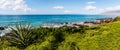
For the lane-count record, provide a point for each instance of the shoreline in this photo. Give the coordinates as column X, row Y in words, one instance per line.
column 97, row 22
column 79, row 23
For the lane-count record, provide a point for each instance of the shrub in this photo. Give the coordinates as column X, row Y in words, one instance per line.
column 117, row 18
column 22, row 37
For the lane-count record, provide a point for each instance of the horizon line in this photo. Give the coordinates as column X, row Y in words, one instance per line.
column 50, row 14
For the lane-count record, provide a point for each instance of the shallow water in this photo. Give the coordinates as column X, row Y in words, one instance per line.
column 37, row 20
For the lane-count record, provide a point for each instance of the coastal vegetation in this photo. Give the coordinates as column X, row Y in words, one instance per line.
column 103, row 37
column 117, row 18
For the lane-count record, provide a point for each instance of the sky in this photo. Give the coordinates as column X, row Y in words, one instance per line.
column 59, row 6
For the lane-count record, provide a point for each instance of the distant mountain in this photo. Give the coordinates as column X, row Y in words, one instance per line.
column 117, row 12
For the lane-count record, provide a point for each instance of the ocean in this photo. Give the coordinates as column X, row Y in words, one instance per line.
column 38, row 20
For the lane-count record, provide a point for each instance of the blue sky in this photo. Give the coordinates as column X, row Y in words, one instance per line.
column 59, row 6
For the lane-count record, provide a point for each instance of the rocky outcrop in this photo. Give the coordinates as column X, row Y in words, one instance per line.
column 3, row 28
column 105, row 20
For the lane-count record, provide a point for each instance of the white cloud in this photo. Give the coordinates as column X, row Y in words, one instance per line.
column 16, row 5
column 58, row 7
column 110, row 9
column 90, row 7
column 91, row 2
column 67, row 11
column 115, row 10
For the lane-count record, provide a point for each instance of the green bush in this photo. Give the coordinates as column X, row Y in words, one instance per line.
column 103, row 37
column 9, row 48
column 117, row 18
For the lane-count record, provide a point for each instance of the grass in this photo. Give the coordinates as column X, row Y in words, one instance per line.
column 103, row 37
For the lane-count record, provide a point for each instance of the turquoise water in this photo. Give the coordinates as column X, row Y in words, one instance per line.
column 37, row 20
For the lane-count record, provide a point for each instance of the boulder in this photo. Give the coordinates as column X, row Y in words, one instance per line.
column 2, row 28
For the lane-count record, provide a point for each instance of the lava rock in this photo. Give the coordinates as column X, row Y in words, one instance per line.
column 2, row 28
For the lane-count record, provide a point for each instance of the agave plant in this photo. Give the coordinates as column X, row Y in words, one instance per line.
column 22, row 36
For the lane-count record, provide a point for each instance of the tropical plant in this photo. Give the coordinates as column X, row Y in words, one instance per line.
column 103, row 37
column 22, row 36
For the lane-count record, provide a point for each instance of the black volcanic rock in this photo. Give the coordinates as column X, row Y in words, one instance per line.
column 2, row 28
